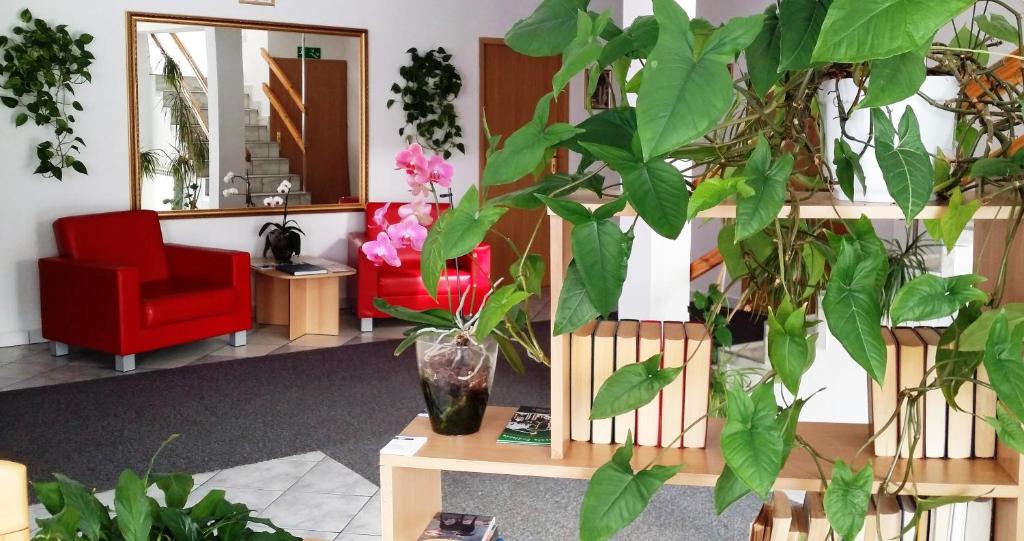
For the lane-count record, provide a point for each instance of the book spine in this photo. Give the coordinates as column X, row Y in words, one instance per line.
column 698, row 384
column 936, row 410
column 961, row 423
column 648, row 417
column 984, row 406
column 625, row 354
column 672, row 394
column 581, row 385
column 604, row 365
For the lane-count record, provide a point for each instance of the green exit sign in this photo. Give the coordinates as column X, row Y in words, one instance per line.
column 309, row 52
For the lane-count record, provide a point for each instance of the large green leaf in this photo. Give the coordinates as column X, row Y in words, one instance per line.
column 862, row 30
column 712, row 191
column 634, row 42
column 547, row 31
column 657, row 191
column 682, row 96
column 48, row 493
column 898, row 77
column 930, row 297
column 764, row 52
column 906, row 166
column 574, row 306
column 524, row 150
column 433, row 317
column 852, row 308
column 1003, row 363
column 998, row 27
column 799, row 24
column 616, row 495
column 768, row 180
column 207, row 506
column 181, row 525
column 847, row 498
column 582, row 51
column 728, row 490
column 93, row 515
column 175, row 486
column 567, row 209
column 525, row 198
column 498, row 304
column 975, row 337
column 848, row 167
column 789, row 349
column 132, row 506
column 950, row 225
column 1008, row 428
column 953, row 365
column 632, row 386
column 611, row 127
column 732, row 251
column 727, row 41
column 752, row 441
column 599, row 249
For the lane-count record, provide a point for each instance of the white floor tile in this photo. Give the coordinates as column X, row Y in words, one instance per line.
column 332, row 477
column 367, row 521
column 255, row 499
column 270, row 475
column 320, row 512
column 356, row 537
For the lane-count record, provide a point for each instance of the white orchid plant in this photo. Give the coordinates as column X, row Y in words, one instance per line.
column 286, row 227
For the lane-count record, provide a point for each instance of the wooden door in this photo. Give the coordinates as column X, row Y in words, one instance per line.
column 326, row 172
column 510, row 86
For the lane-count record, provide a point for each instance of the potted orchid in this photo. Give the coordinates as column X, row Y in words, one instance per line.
column 283, row 240
column 456, row 343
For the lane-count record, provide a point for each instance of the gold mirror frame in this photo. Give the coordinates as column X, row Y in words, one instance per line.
column 133, row 17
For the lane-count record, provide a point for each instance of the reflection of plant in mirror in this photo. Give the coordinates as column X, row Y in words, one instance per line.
column 430, row 85
column 189, row 156
column 40, row 68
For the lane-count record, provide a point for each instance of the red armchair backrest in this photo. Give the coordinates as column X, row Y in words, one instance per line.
column 129, row 238
column 392, row 215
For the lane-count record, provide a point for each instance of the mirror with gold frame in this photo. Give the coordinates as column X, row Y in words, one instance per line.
column 234, row 117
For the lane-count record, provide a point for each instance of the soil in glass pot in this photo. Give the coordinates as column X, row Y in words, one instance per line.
column 456, row 376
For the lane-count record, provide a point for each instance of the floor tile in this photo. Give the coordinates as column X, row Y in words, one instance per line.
column 255, row 499
column 312, row 456
column 367, row 520
column 343, row 536
column 320, row 512
column 27, row 370
column 332, row 477
column 249, row 350
column 6, row 382
column 289, row 348
column 14, row 353
column 270, row 335
column 313, row 534
column 270, row 475
column 326, row 340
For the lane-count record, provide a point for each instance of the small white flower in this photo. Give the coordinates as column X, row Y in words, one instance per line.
column 229, row 178
column 278, row 201
column 284, row 187
column 268, row 201
column 230, row 191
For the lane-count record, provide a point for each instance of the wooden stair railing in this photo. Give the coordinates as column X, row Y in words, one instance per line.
column 293, row 130
column 285, row 82
column 192, row 103
column 203, row 82
column 705, row 264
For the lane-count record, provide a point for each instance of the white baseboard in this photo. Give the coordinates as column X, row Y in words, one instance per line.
column 20, row 338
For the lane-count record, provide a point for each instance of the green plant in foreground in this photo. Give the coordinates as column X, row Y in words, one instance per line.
column 77, row 514
column 41, row 66
column 698, row 136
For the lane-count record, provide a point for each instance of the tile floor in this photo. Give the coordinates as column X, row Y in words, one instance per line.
column 33, row 366
column 311, row 495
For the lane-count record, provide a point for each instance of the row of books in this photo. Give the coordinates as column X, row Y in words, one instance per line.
column 461, row 527
column 600, row 348
column 892, row 518
column 945, row 432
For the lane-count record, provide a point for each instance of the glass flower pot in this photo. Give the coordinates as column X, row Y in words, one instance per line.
column 456, row 375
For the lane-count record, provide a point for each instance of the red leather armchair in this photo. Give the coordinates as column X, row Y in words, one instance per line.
column 403, row 286
column 116, row 287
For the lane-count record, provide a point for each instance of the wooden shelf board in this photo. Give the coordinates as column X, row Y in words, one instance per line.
column 480, row 453
column 821, row 205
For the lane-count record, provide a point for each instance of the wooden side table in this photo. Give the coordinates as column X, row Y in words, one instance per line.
column 306, row 304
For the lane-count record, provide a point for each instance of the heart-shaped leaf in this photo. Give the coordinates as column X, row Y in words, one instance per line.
column 1003, row 362
column 498, row 304
column 950, row 225
column 175, row 486
column 712, row 191
column 616, row 495
column 852, row 307
column 574, row 306
column 799, row 24
column 975, row 337
column 768, row 180
column 789, row 350
column 599, row 249
column 930, row 296
column 848, row 167
column 847, row 498
column 547, row 31
column 899, row 77
column 752, row 440
column 764, row 52
column 632, row 386
column 906, row 167
column 657, row 191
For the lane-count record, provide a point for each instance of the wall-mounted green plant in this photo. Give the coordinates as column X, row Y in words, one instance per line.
column 430, row 84
column 40, row 68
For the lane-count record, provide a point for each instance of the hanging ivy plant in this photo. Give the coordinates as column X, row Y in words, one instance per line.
column 41, row 66
column 430, row 84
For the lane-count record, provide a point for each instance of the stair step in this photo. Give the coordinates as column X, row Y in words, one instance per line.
column 191, row 82
column 263, row 149
column 256, row 133
column 268, row 166
column 252, row 116
column 269, row 183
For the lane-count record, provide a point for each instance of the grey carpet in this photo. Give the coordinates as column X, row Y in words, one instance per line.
column 346, row 401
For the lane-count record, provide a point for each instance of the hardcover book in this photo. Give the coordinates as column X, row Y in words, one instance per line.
column 581, row 381
column 884, row 399
column 625, row 354
column 459, row 527
column 529, row 425
column 301, row 269
column 604, row 366
column 911, row 372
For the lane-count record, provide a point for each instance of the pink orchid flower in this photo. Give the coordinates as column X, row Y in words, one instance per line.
column 411, row 159
column 379, row 217
column 408, row 232
column 419, row 208
column 382, row 250
column 437, row 171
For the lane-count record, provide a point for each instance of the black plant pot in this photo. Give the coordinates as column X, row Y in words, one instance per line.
column 281, row 245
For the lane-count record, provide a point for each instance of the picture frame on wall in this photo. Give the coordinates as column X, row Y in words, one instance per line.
column 603, row 96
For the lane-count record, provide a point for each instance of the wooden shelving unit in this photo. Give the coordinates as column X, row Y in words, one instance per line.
column 411, row 486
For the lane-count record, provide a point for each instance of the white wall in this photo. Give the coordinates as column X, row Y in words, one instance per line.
column 34, row 202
